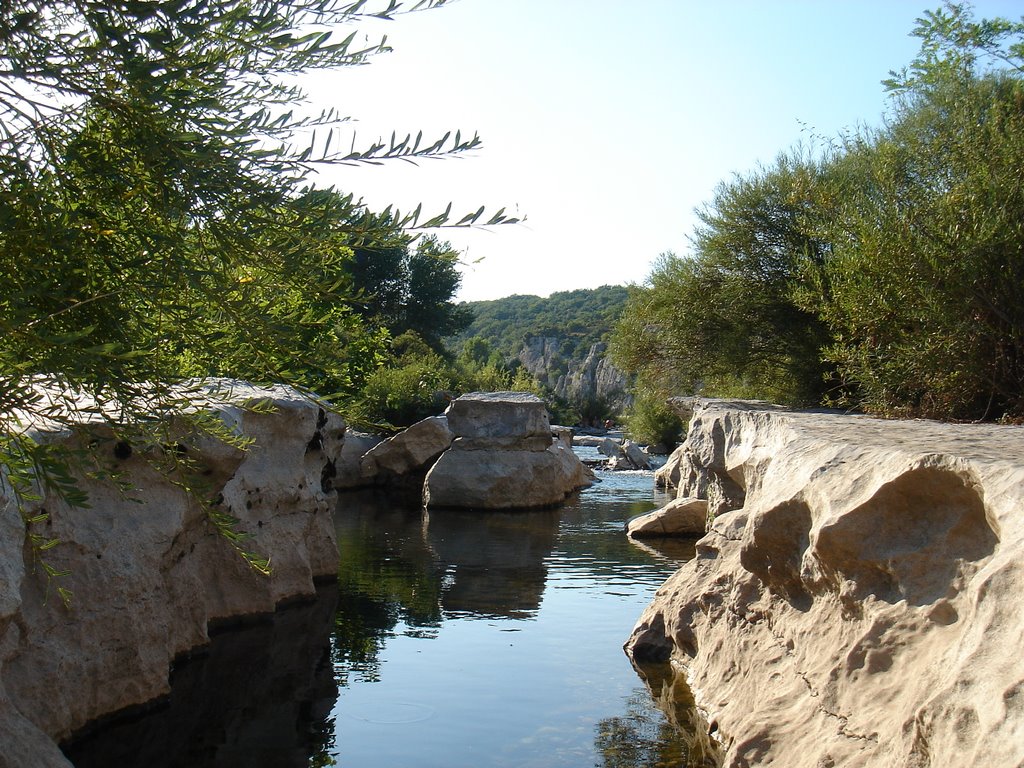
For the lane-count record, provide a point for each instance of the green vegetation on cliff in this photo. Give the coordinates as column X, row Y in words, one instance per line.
column 578, row 318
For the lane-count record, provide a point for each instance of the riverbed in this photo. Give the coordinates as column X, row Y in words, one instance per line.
column 451, row 639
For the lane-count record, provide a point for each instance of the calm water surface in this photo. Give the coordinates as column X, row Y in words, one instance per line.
column 452, row 639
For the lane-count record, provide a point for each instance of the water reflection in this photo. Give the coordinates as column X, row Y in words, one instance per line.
column 680, row 738
column 494, row 565
column 493, row 639
column 452, row 639
column 258, row 696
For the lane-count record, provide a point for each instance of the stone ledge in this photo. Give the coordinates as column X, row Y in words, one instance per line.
column 149, row 577
column 858, row 606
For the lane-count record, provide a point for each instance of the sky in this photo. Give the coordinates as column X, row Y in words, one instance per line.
column 606, row 124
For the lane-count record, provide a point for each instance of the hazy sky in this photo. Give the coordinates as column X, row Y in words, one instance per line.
column 606, row 123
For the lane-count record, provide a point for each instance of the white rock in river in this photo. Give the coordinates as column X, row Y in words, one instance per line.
column 502, row 457
column 680, row 517
column 149, row 572
column 861, row 606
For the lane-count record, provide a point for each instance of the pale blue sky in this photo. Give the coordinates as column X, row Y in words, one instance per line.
column 606, row 123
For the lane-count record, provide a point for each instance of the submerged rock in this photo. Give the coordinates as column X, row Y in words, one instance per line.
column 856, row 601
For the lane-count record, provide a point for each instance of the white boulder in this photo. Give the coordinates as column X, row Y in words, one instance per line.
column 680, row 517
column 860, row 604
column 147, row 570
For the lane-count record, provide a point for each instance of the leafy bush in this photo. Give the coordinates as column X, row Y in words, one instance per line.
column 650, row 421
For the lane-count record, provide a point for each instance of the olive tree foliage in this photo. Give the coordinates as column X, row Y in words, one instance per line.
column 156, row 215
column 924, row 285
column 724, row 320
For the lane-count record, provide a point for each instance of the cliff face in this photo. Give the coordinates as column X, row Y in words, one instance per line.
column 148, row 572
column 857, row 599
column 592, row 378
column 595, row 378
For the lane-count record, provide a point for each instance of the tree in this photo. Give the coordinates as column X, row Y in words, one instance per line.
column 433, row 280
column 725, row 320
column 924, row 288
column 156, row 218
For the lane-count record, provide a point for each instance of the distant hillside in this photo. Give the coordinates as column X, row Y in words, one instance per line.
column 578, row 318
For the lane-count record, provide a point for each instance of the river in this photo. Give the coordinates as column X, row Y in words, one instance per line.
column 450, row 639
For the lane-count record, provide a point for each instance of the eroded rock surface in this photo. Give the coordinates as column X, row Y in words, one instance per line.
column 856, row 602
column 148, row 572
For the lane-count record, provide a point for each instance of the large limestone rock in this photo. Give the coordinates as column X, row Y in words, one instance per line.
column 499, row 421
column 147, row 570
column 502, row 457
column 860, row 604
column 463, row 479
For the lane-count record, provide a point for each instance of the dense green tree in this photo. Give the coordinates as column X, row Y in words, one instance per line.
column 724, row 320
column 380, row 275
column 156, row 215
column 886, row 273
column 410, row 285
column 434, row 279
column 924, row 287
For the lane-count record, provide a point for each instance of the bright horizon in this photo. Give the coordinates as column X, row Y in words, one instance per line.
column 606, row 128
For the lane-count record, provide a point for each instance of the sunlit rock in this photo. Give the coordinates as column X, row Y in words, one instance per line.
column 680, row 517
column 860, row 603
column 499, row 421
column 147, row 570
column 502, row 457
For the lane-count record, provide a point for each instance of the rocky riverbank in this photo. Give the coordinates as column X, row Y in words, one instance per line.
column 856, row 601
column 147, row 571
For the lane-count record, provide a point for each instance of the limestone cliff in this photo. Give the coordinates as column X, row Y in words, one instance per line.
column 148, row 572
column 595, row 378
column 857, row 600
column 575, row 380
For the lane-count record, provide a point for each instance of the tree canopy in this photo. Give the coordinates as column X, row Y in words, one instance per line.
column 883, row 272
column 158, row 216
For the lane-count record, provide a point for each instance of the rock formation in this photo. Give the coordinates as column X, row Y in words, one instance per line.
column 147, row 570
column 594, row 378
column 857, row 599
column 502, row 457
column 680, row 517
column 623, row 455
column 405, row 458
column 542, row 357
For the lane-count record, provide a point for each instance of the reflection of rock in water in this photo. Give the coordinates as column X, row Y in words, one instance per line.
column 675, row 699
column 494, row 561
column 258, row 696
